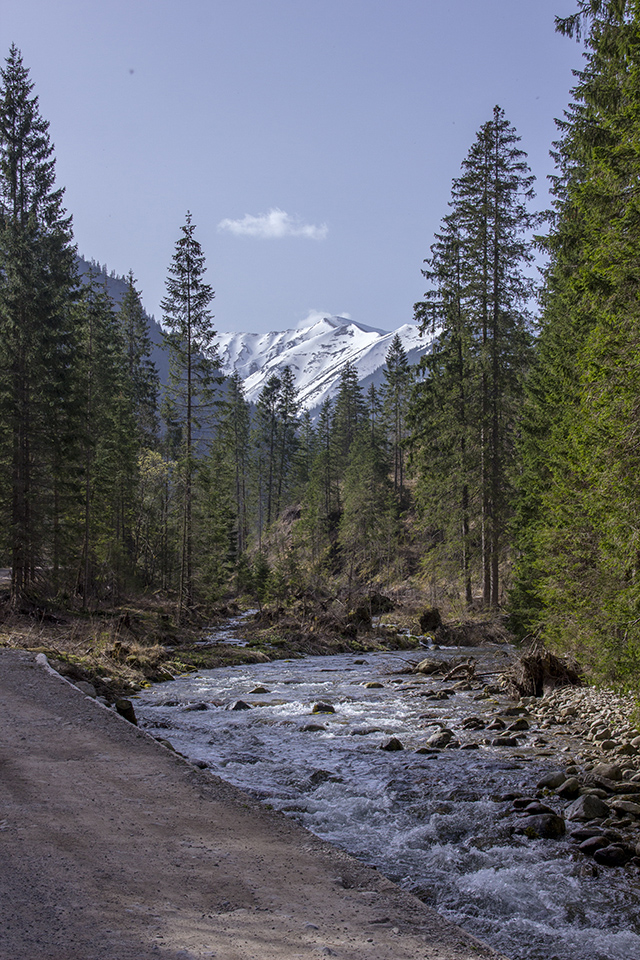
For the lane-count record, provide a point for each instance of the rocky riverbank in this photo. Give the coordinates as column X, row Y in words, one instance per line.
column 595, row 796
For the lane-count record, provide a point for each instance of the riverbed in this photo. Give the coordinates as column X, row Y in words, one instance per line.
column 439, row 822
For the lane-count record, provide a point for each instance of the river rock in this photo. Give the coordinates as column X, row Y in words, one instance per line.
column 520, row 724
column 625, row 806
column 504, row 742
column 193, row 707
column 535, row 807
column 373, row 685
column 87, row 688
column 552, row 780
column 613, row 856
column 591, row 844
column 569, row 789
column 240, row 705
column 473, row 723
column 125, row 709
column 580, row 834
column 312, row 727
column 257, row 690
column 496, row 724
column 430, row 665
column 392, row 744
column 440, row 739
column 545, row 826
column 587, row 807
column 323, row 708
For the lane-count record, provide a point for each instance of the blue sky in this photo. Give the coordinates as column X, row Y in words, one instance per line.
column 314, row 141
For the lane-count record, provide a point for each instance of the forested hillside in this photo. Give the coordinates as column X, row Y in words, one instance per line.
column 499, row 474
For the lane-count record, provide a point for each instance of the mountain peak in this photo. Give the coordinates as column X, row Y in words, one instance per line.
column 316, row 354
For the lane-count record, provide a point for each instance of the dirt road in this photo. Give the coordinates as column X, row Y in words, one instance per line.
column 113, row 847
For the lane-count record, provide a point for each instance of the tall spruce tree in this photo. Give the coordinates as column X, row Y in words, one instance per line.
column 110, row 447
column 349, row 416
column 479, row 299
column 578, row 576
column 38, row 334
column 444, row 415
column 395, row 399
column 235, row 430
column 193, row 361
column 266, row 451
column 288, row 419
column 142, row 374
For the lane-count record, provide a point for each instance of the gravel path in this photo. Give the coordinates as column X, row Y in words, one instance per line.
column 113, row 847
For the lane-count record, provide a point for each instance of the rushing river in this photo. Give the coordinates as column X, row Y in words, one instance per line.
column 437, row 823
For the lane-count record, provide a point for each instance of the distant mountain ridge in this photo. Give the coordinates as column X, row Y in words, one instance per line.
column 316, row 353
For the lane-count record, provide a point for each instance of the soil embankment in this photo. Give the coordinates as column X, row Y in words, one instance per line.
column 113, row 847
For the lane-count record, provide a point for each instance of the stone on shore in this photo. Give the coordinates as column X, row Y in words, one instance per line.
column 587, row 807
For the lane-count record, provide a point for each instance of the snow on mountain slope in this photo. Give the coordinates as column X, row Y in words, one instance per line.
column 315, row 354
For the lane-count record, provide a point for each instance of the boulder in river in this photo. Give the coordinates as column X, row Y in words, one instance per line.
column 625, row 807
column 440, row 739
column 587, row 807
column 609, row 771
column 473, row 723
column 552, row 780
column 392, row 744
column 321, row 707
column 430, row 665
column 614, row 855
column 591, row 844
column 543, row 826
column 570, row 789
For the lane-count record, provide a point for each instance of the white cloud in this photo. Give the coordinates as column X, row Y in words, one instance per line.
column 273, row 225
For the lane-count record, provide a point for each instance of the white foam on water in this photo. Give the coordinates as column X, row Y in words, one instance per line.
column 435, row 824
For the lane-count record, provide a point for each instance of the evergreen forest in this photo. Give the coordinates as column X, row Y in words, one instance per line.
column 500, row 476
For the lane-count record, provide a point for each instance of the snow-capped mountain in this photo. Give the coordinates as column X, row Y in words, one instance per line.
column 316, row 354
column 316, row 351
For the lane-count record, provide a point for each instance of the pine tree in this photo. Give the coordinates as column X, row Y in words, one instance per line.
column 37, row 327
column 365, row 525
column 396, row 392
column 234, row 429
column 478, row 302
column 193, row 361
column 577, row 579
column 287, row 413
column 142, row 374
column 349, row 415
column 266, row 446
column 445, row 412
column 319, row 508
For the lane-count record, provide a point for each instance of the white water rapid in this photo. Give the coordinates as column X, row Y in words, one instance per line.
column 437, row 823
